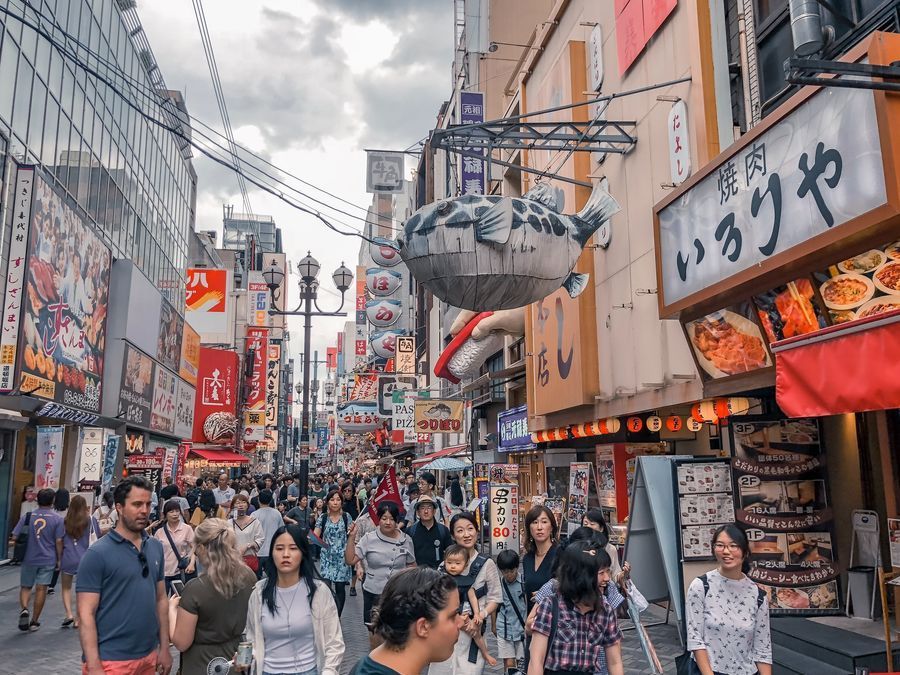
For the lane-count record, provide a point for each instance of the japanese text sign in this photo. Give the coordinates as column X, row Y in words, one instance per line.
column 471, row 111
column 207, row 300
column 679, row 145
column 185, row 396
column 217, row 383
column 384, row 172
column 136, row 390
column 15, row 277
column 49, row 456
column 504, row 512
column 512, row 429
column 258, row 341
column 162, row 412
column 406, row 355
column 816, row 169
column 440, row 416
column 273, row 373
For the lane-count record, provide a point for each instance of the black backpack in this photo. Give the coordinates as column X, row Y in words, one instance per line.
column 344, row 518
column 21, row 544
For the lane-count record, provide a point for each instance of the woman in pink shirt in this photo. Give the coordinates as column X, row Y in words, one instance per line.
column 177, row 539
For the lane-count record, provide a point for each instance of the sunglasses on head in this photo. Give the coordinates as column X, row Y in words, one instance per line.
column 145, row 568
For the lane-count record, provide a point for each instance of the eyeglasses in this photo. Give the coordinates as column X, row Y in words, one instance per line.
column 145, row 568
column 719, row 546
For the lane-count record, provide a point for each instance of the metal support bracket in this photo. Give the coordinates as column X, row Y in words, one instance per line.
column 853, row 75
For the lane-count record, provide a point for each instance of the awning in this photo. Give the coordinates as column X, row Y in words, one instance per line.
column 221, row 456
column 444, row 452
column 846, row 368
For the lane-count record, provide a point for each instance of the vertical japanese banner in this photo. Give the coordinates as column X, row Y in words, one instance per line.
column 360, row 333
column 255, row 422
column 49, row 456
column 15, row 277
column 471, row 111
column 504, row 517
column 170, row 457
column 90, row 458
column 579, row 486
column 273, row 378
column 110, row 455
column 482, row 491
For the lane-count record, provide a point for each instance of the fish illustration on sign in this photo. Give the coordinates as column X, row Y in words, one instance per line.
column 486, row 253
column 440, row 411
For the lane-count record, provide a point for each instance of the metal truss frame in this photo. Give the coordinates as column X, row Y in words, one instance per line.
column 856, row 75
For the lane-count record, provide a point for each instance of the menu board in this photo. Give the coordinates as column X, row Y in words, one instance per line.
column 704, row 502
column 864, row 285
column 782, row 497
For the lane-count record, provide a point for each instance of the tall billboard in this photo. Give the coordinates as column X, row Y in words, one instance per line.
column 216, row 392
column 208, row 302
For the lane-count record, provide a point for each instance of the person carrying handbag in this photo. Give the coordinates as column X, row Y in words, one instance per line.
column 248, row 532
column 727, row 615
column 177, row 539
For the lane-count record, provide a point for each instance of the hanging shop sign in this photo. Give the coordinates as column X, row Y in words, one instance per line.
column 503, row 473
column 679, row 143
column 162, row 412
column 215, row 400
column 381, row 282
column 471, row 111
column 405, row 358
column 512, row 430
column 504, row 512
column 207, row 301
column 595, row 58
column 365, row 388
column 579, row 487
column 168, row 344
column 135, row 442
column 387, row 385
column 794, row 184
column 384, row 172
column 49, row 455
column 90, row 456
column 273, row 377
column 257, row 300
column 403, row 412
column 358, row 417
column 65, row 413
column 190, row 355
column 110, row 457
column 185, row 398
column 15, row 276
column 136, row 388
column 440, row 416
column 384, row 342
column 255, row 422
column 383, row 312
column 384, row 252
column 783, row 499
column 65, row 306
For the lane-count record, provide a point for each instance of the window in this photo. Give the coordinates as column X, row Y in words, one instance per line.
column 22, row 105
column 9, row 61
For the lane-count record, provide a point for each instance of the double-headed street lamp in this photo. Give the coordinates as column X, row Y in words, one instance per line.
column 309, row 269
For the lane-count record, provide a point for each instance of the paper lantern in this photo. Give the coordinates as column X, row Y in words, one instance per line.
column 610, row 425
column 382, row 282
column 654, row 423
column 733, row 405
column 383, row 312
column 384, row 252
column 694, row 425
column 674, row 423
column 634, row 424
column 485, row 253
column 708, row 411
column 695, row 413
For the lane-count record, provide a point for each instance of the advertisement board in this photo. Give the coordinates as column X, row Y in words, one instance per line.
column 49, row 455
column 504, row 513
column 64, row 318
column 136, row 388
column 403, row 412
column 512, row 430
column 162, row 412
column 387, row 385
column 168, row 343
column 15, row 277
column 257, row 300
column 273, row 377
column 579, row 487
column 90, row 456
column 216, row 390
column 405, row 355
column 471, row 111
column 440, row 416
column 184, row 409
column 384, row 172
column 207, row 301
column 190, row 355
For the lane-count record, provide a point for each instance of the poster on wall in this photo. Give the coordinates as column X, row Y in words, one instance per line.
column 579, row 486
column 504, row 511
column 162, row 412
column 190, row 355
column 64, row 317
column 894, row 539
column 782, row 497
column 168, row 341
column 606, row 476
column 49, row 456
column 90, row 458
column 136, row 387
column 184, row 409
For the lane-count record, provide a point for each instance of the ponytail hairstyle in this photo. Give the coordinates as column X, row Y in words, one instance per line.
column 224, row 568
column 736, row 534
column 412, row 594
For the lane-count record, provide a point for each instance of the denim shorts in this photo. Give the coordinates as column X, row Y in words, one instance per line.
column 33, row 575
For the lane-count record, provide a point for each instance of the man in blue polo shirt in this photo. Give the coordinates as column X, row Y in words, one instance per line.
column 122, row 604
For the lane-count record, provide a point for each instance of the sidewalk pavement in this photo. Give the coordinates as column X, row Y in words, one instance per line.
column 55, row 651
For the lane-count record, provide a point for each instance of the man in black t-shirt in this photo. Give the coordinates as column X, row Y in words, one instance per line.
column 430, row 538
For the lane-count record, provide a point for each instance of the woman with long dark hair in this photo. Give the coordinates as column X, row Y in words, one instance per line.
column 585, row 624
column 207, row 621
column 727, row 613
column 541, row 531
column 333, row 527
column 292, row 619
column 455, row 496
column 78, row 525
column 417, row 621
column 594, row 519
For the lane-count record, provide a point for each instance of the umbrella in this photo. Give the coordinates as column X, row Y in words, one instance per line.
column 446, row 464
column 643, row 637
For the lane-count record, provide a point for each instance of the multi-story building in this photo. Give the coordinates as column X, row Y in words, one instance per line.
column 261, row 229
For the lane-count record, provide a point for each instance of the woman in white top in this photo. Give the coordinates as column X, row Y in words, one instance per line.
column 463, row 527
column 248, row 532
column 728, row 615
column 292, row 619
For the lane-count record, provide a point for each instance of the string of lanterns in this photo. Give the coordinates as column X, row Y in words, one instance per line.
column 706, row 411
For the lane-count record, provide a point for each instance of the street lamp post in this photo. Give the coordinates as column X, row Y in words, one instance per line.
column 308, row 269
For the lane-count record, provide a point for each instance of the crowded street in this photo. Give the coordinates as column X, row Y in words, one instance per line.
column 450, row 337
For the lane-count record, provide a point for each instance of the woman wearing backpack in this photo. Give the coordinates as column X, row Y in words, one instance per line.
column 728, row 614
column 105, row 514
column 333, row 527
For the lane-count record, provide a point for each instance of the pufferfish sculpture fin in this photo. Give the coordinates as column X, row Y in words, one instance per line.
column 495, row 224
column 575, row 283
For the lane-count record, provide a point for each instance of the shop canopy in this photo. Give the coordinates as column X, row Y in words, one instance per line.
column 846, row 368
column 445, row 452
column 221, row 456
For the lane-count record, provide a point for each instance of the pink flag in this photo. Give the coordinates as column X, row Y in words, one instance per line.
column 388, row 491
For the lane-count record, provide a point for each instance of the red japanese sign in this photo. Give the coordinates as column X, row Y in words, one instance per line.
column 216, row 387
column 258, row 341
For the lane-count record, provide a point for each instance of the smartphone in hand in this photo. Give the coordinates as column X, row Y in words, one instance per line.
column 177, row 587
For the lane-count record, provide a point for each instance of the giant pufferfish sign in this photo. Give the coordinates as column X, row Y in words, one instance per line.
column 487, row 253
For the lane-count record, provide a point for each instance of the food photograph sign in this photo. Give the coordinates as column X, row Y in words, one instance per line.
column 64, row 317
column 781, row 496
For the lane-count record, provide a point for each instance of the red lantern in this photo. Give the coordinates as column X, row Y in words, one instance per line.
column 674, row 423
column 695, row 413
column 635, row 424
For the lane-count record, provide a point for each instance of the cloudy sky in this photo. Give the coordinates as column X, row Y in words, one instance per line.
column 308, row 84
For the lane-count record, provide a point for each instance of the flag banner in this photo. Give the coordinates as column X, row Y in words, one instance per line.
column 388, row 491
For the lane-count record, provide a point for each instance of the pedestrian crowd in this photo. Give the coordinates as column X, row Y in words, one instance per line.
column 254, row 575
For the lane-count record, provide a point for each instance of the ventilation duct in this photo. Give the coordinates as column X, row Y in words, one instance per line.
column 806, row 27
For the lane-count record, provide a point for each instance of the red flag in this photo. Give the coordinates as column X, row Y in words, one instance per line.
column 388, row 491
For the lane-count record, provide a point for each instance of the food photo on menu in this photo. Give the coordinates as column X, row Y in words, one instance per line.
column 823, row 596
column 862, row 286
column 728, row 342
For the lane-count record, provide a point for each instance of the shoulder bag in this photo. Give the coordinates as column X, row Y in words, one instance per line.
column 21, row 545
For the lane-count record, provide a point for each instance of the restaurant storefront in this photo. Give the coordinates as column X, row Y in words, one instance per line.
column 781, row 261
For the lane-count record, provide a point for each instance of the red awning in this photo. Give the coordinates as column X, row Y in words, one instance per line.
column 445, row 452
column 223, row 456
column 847, row 368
